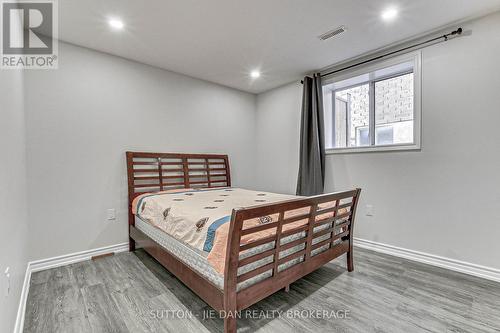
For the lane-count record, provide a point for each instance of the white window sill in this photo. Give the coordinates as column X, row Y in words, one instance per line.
column 372, row 149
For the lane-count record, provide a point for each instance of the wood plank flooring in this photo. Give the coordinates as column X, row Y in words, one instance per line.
column 131, row 292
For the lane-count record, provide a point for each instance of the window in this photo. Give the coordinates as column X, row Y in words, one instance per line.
column 374, row 108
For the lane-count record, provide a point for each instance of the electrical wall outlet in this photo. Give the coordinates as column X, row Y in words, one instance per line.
column 111, row 214
column 370, row 211
column 7, row 282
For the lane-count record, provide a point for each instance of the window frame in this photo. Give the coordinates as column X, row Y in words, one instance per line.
column 416, row 58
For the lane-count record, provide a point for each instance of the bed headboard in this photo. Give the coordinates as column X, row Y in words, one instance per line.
column 154, row 172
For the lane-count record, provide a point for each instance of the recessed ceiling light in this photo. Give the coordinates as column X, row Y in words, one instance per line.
column 116, row 24
column 389, row 14
column 255, row 74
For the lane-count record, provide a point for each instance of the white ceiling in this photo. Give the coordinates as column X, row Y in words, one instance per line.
column 223, row 40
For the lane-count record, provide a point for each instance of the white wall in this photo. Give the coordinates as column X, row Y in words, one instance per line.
column 441, row 200
column 13, row 234
column 82, row 118
column 277, row 138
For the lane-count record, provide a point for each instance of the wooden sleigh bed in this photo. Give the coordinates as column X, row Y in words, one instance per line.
column 154, row 172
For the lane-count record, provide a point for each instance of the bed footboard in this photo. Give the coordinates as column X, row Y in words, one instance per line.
column 295, row 238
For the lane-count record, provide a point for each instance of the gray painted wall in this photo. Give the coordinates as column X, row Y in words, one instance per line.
column 14, row 231
column 82, row 118
column 441, row 200
column 277, row 138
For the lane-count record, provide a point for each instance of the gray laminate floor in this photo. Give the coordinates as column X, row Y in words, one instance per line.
column 133, row 293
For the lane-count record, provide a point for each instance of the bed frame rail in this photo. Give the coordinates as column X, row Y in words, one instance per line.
column 323, row 229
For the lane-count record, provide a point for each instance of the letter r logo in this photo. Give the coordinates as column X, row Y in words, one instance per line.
column 27, row 27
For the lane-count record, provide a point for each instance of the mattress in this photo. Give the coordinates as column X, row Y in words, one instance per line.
column 200, row 219
column 197, row 260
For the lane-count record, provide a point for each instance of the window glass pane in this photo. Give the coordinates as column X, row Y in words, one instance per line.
column 363, row 136
column 394, row 110
column 341, row 123
column 352, row 116
column 384, row 135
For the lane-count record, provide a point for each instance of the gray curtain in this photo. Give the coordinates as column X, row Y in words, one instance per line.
column 311, row 178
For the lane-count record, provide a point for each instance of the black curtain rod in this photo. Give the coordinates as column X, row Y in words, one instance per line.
column 444, row 37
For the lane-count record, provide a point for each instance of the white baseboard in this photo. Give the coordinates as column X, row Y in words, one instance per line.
column 40, row 265
column 19, row 325
column 484, row 272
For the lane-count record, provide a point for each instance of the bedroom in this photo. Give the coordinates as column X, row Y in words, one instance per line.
column 224, row 78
